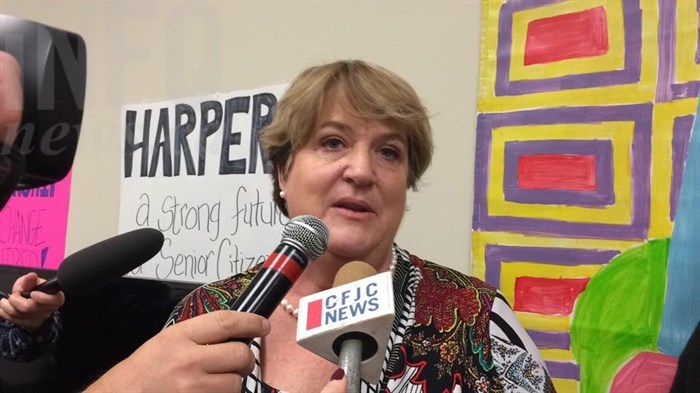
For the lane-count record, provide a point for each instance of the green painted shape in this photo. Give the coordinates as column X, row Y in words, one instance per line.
column 619, row 313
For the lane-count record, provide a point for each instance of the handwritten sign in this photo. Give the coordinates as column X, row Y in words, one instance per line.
column 33, row 226
column 193, row 169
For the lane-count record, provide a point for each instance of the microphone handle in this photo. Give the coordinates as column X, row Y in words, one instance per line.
column 50, row 286
column 349, row 360
column 263, row 293
column 269, row 286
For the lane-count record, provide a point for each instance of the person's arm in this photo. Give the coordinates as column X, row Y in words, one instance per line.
column 510, row 343
column 28, row 327
column 194, row 355
column 18, row 345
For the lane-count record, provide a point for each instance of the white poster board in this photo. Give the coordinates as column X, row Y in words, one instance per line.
column 192, row 168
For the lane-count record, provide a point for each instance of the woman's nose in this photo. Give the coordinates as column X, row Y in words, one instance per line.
column 359, row 167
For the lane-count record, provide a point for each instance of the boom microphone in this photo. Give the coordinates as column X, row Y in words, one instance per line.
column 304, row 238
column 356, row 317
column 96, row 265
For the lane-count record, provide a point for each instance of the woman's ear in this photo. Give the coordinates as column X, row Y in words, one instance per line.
column 281, row 177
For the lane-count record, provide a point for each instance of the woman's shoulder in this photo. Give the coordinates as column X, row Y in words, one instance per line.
column 233, row 284
column 448, row 276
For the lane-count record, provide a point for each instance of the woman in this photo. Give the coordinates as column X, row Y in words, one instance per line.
column 348, row 140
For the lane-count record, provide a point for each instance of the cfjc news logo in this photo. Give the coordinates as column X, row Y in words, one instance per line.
column 347, row 304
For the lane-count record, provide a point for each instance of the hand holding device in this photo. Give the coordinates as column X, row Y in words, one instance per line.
column 29, row 313
column 193, row 355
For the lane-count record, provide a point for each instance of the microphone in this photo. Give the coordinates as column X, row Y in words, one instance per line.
column 304, row 238
column 92, row 267
column 355, row 316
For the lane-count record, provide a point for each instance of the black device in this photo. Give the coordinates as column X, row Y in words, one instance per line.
column 304, row 238
column 53, row 64
column 96, row 265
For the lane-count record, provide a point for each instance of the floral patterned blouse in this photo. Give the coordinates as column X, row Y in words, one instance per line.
column 452, row 333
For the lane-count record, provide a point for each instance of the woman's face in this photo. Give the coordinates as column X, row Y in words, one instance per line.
column 352, row 174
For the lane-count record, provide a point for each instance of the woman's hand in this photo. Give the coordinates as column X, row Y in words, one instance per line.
column 193, row 355
column 338, row 383
column 29, row 313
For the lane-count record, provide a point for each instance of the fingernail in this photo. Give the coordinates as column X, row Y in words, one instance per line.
column 266, row 326
column 338, row 374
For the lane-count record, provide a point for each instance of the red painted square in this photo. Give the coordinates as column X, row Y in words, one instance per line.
column 568, row 36
column 313, row 317
column 551, row 296
column 567, row 172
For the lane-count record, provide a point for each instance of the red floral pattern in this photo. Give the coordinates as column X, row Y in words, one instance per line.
column 446, row 348
column 441, row 301
column 452, row 328
column 210, row 297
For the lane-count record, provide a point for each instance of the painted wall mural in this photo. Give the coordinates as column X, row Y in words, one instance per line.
column 586, row 178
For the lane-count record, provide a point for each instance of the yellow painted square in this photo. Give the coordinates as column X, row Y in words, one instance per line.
column 630, row 93
column 620, row 133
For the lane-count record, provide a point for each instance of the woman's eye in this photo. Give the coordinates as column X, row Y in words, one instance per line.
column 389, row 153
column 332, row 143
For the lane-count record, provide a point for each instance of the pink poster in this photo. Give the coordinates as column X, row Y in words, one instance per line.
column 33, row 226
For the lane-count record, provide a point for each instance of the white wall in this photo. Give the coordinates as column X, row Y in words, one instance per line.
column 153, row 51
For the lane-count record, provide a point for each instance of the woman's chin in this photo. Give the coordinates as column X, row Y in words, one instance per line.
column 353, row 247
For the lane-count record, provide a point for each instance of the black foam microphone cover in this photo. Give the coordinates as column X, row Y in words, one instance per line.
column 94, row 266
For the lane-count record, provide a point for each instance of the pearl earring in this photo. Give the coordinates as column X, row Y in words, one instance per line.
column 282, row 195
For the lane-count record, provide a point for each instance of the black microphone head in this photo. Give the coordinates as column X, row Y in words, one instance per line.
column 96, row 265
column 307, row 233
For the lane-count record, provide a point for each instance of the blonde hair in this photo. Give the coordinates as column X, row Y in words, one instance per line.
column 371, row 92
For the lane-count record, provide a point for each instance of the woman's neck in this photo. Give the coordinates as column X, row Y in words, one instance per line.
column 320, row 273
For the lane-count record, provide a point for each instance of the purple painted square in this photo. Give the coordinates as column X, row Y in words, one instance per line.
column 637, row 228
column 630, row 73
column 601, row 149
